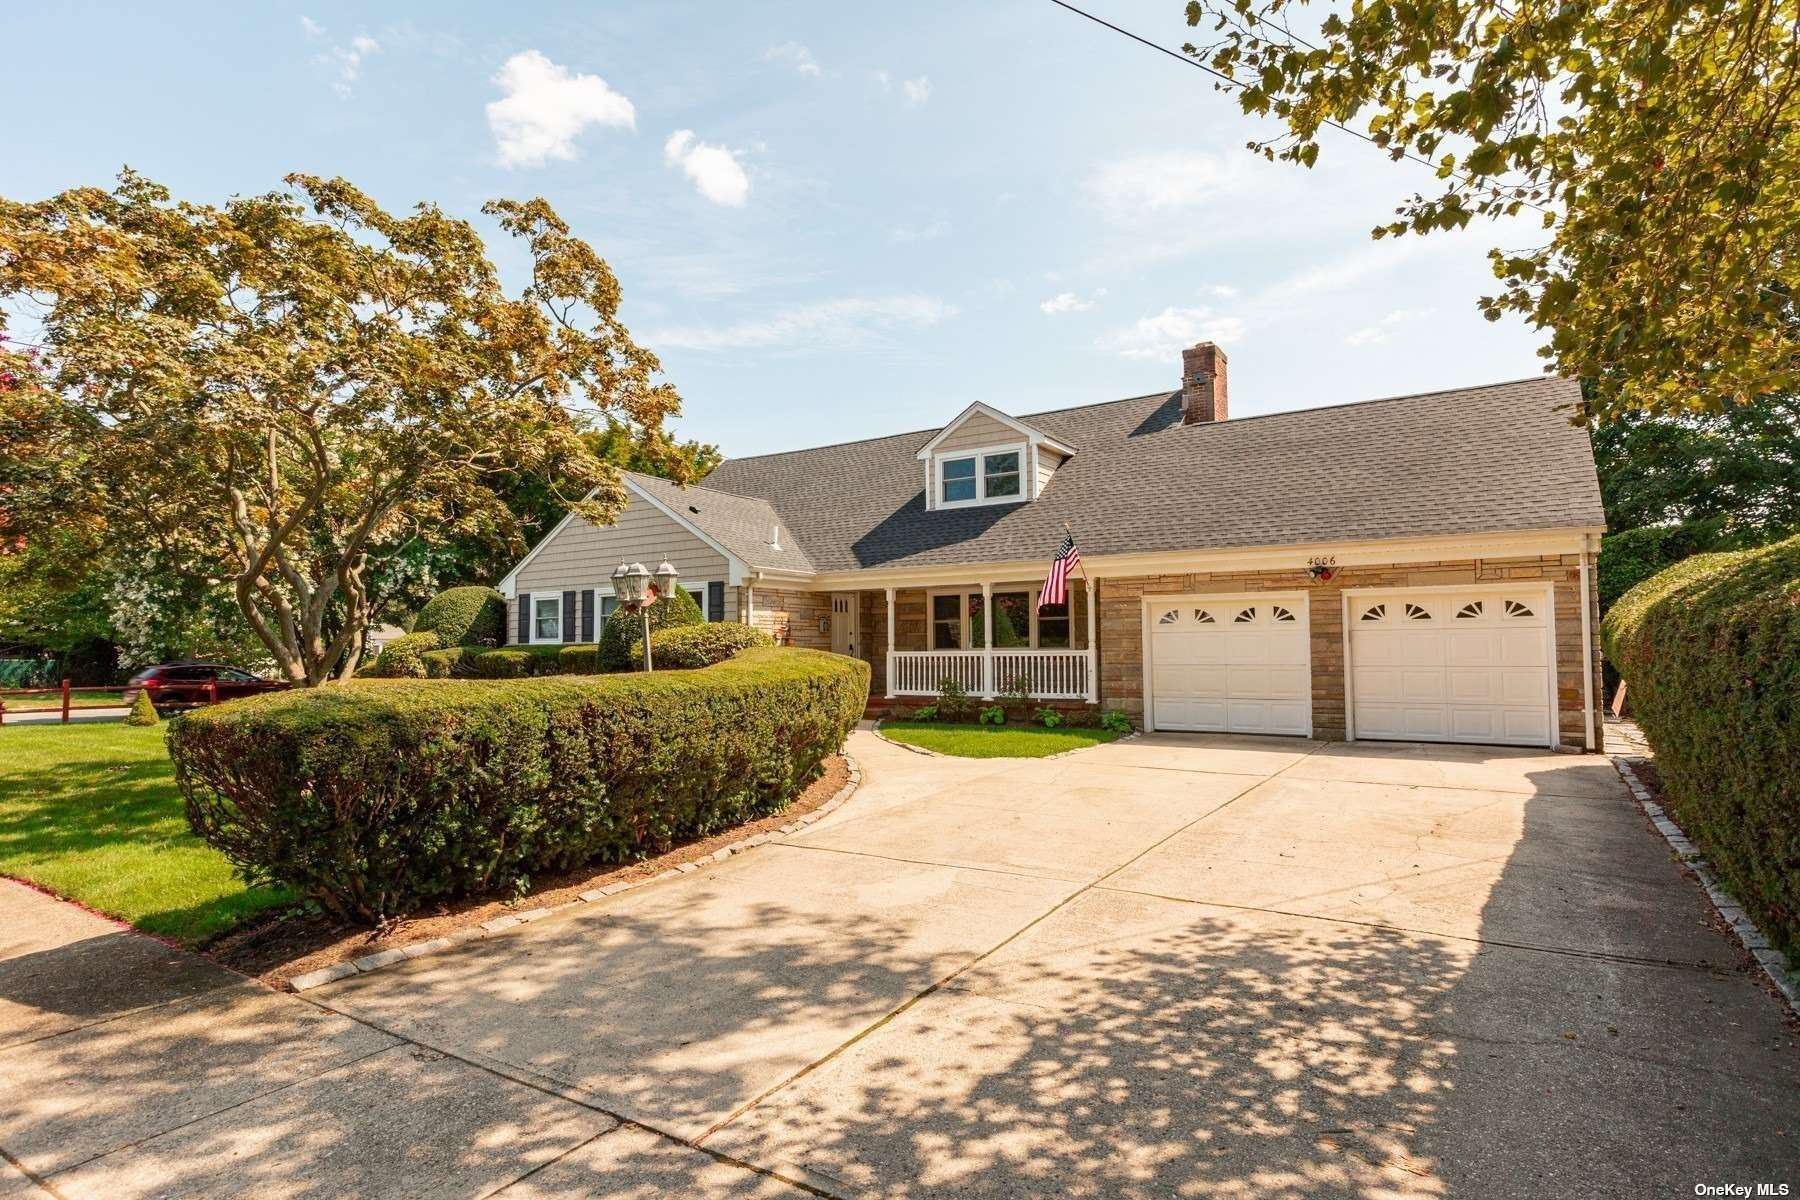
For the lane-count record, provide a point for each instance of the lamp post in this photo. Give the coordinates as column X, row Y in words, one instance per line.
column 634, row 589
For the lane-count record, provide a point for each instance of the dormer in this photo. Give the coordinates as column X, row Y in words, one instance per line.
column 986, row 457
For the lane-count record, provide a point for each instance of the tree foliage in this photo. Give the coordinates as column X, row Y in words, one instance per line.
column 287, row 390
column 1658, row 142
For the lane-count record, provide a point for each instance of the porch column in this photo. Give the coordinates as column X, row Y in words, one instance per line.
column 1093, row 650
column 987, row 627
column 890, row 657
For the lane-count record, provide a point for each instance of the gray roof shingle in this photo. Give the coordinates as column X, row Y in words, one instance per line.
column 741, row 524
column 1490, row 459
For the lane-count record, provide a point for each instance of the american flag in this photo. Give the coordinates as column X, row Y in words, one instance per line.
column 1056, row 583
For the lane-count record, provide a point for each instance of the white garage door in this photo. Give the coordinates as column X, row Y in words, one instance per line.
column 1232, row 666
column 1451, row 667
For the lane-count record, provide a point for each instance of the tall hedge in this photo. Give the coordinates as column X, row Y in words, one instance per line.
column 464, row 616
column 377, row 798
column 1711, row 651
column 625, row 627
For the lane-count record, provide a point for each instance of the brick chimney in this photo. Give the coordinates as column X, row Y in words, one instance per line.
column 1202, row 384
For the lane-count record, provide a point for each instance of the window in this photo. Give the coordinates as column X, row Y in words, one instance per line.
column 946, row 622
column 608, row 606
column 1469, row 611
column 1282, row 614
column 1375, row 612
column 959, row 480
column 1053, row 627
column 1012, row 621
column 699, row 595
column 1245, row 617
column 1515, row 609
column 1000, row 474
column 1168, row 618
column 546, row 613
column 982, row 477
column 232, row 675
column 1203, row 617
column 1417, row 612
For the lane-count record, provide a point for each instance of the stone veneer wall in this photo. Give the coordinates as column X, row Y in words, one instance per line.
column 792, row 618
column 1121, row 627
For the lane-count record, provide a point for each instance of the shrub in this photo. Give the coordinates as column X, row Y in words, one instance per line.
column 1017, row 692
column 953, row 700
column 926, row 712
column 993, row 714
column 378, row 798
column 464, row 616
column 686, row 647
column 624, row 628
column 143, row 712
column 513, row 662
column 403, row 658
column 579, row 659
column 1114, row 721
column 1629, row 557
column 1049, row 718
column 1711, row 651
column 445, row 663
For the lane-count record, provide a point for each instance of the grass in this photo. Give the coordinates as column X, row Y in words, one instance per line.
column 91, row 813
column 994, row 741
column 54, row 700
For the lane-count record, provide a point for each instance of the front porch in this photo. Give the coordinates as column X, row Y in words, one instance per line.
column 917, row 638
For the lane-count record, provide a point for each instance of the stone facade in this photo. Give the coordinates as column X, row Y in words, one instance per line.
column 792, row 618
column 1122, row 647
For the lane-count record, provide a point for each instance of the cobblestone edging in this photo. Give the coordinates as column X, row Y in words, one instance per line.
column 383, row 958
column 1774, row 965
column 875, row 728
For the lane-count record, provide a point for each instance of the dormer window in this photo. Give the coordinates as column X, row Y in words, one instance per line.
column 959, row 480
column 981, row 477
column 987, row 457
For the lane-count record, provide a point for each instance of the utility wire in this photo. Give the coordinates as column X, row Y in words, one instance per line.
column 1229, row 82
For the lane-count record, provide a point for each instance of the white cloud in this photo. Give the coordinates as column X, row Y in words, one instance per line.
column 545, row 108
column 1384, row 330
column 840, row 324
column 919, row 233
column 883, row 78
column 345, row 61
column 1065, row 302
column 715, row 170
column 917, row 91
column 797, row 56
column 1164, row 335
column 1160, row 183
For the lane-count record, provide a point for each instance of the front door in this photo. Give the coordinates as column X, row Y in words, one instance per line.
column 844, row 630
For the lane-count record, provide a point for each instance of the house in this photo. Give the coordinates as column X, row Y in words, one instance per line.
column 1416, row 568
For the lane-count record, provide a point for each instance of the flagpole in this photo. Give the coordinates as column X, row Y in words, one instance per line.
column 1068, row 529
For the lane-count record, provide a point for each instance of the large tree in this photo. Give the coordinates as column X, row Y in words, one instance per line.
column 280, row 390
column 1657, row 142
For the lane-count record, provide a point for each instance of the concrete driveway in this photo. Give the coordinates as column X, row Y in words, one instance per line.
column 1176, row 966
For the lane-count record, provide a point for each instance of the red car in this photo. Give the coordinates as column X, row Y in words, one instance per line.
column 175, row 686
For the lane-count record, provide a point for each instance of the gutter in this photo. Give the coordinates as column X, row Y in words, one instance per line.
column 1587, row 647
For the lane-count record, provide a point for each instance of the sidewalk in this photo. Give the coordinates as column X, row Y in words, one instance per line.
column 135, row 1070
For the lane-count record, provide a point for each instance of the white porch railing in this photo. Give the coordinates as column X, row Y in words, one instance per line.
column 1052, row 674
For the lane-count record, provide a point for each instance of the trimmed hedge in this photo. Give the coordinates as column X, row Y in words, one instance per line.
column 464, row 616
column 403, row 658
column 1711, row 650
column 624, row 628
column 1629, row 557
column 377, row 798
column 688, row 647
column 512, row 662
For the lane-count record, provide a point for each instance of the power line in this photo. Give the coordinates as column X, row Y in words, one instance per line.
column 1228, row 81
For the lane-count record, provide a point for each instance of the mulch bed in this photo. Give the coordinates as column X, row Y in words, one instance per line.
column 279, row 947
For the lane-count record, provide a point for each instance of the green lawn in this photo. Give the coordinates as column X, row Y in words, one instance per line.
column 90, row 812
column 54, row 700
column 993, row 741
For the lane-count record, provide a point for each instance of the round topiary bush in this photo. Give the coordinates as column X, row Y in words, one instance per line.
column 624, row 628
column 512, row 662
column 464, row 616
column 376, row 799
column 403, row 658
column 688, row 647
column 1711, row 651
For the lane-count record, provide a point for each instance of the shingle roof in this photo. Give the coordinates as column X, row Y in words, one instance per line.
column 1474, row 460
column 741, row 524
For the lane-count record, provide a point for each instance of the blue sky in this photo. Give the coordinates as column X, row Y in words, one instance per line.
column 830, row 221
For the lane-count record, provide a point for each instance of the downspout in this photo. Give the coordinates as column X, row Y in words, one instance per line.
column 750, row 598
column 1587, row 649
